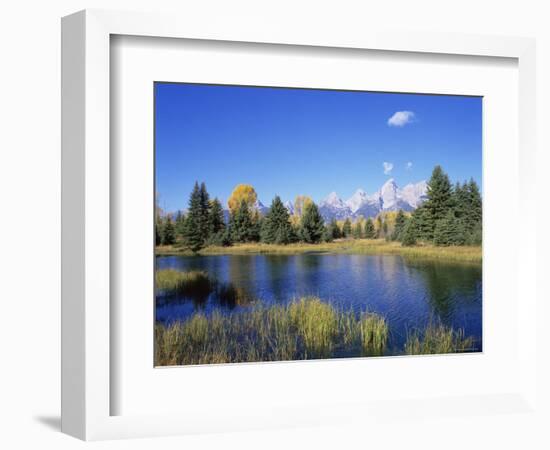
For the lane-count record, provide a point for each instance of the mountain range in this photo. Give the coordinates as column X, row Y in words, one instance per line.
column 388, row 198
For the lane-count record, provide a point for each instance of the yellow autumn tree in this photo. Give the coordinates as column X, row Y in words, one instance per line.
column 300, row 204
column 242, row 192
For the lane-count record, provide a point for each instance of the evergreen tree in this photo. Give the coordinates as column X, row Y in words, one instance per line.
column 276, row 227
column 423, row 223
column 312, row 225
column 370, row 232
column 327, row 234
column 216, row 224
column 158, row 231
column 439, row 200
column 408, row 235
column 255, row 227
column 400, row 221
column 385, row 228
column 346, row 230
column 241, row 224
column 475, row 214
column 475, row 236
column 216, row 221
column 193, row 236
column 179, row 224
column 357, row 231
column 168, row 232
column 461, row 200
column 335, row 229
column 449, row 230
column 204, row 212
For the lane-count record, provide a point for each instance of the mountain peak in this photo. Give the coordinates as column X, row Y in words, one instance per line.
column 332, row 199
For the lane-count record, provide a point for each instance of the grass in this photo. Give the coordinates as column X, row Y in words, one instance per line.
column 307, row 328
column 470, row 254
column 193, row 283
column 437, row 339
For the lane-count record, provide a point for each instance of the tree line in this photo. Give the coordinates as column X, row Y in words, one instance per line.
column 451, row 215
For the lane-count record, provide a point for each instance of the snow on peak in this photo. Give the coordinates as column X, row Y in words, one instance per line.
column 358, row 199
column 333, row 200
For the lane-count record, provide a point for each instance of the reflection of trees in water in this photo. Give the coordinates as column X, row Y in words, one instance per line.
column 307, row 274
column 445, row 283
column 279, row 274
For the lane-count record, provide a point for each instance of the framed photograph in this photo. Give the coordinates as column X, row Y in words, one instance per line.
column 253, row 217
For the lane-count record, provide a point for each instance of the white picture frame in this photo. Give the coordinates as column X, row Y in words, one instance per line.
column 86, row 198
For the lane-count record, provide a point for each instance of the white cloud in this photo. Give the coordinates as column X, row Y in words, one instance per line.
column 401, row 118
column 409, row 165
column 387, row 167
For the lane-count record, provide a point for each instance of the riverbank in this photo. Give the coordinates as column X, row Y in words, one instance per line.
column 469, row 254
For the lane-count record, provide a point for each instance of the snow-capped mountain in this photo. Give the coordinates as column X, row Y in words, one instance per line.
column 388, row 198
column 415, row 194
column 261, row 208
column 333, row 207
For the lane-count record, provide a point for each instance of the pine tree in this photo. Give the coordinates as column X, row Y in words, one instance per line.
column 204, row 212
column 422, row 221
column 335, row 229
column 312, row 225
column 357, row 231
column 216, row 224
column 255, row 227
column 158, row 231
column 370, row 232
column 475, row 207
column 461, row 200
column 439, row 201
column 216, row 221
column 276, row 227
column 193, row 236
column 449, row 230
column 179, row 224
column 400, row 221
column 346, row 230
column 168, row 232
column 408, row 235
column 327, row 234
column 241, row 224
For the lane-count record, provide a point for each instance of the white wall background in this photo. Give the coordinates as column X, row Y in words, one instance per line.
column 30, row 236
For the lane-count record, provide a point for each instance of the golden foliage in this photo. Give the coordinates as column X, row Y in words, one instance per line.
column 300, row 204
column 242, row 192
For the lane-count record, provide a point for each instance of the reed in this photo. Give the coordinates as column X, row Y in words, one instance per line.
column 438, row 339
column 374, row 332
column 306, row 328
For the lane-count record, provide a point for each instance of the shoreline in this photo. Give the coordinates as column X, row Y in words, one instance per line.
column 463, row 254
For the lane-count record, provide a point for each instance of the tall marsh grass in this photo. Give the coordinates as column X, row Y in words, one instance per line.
column 307, row 328
column 438, row 339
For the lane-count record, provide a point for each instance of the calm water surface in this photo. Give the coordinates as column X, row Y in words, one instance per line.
column 408, row 294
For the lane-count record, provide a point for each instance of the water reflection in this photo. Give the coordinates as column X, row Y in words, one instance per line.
column 409, row 294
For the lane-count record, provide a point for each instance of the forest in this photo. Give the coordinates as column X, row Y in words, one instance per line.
column 451, row 215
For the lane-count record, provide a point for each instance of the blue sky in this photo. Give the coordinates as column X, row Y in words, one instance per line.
column 303, row 141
